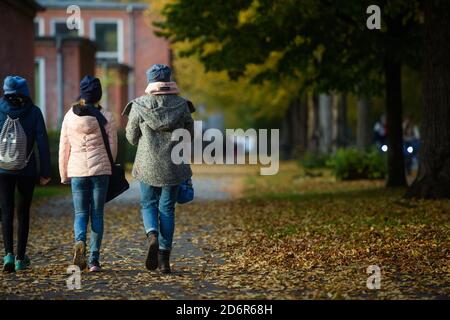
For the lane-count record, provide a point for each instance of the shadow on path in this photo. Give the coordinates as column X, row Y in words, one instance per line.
column 124, row 275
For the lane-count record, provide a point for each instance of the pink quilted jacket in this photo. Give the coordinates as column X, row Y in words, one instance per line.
column 81, row 149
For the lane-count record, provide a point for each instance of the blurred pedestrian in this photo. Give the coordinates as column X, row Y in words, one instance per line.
column 380, row 131
column 411, row 143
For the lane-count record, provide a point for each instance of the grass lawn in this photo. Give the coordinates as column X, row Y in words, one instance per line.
column 51, row 191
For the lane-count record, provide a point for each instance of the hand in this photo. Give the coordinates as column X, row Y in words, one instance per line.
column 44, row 181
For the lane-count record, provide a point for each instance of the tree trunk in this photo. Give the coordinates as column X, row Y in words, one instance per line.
column 325, row 122
column 300, row 125
column 286, row 134
column 433, row 180
column 393, row 85
column 342, row 127
column 294, row 129
column 313, row 126
column 304, row 113
column 396, row 163
column 364, row 129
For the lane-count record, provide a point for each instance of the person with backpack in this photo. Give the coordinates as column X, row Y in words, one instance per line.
column 84, row 163
column 22, row 125
column 151, row 120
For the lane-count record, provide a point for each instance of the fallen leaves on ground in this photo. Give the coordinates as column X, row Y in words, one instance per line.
column 290, row 236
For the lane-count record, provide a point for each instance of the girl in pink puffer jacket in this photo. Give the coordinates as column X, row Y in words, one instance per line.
column 81, row 150
column 83, row 162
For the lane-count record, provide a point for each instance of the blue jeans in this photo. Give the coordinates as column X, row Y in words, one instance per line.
column 158, row 212
column 89, row 196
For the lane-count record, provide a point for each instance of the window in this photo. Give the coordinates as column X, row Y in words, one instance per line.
column 108, row 35
column 59, row 28
column 62, row 30
column 39, row 84
column 38, row 27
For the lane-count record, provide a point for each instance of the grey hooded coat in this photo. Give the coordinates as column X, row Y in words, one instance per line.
column 152, row 119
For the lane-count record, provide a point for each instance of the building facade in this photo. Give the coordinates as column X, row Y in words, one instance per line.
column 60, row 66
column 17, row 34
column 124, row 43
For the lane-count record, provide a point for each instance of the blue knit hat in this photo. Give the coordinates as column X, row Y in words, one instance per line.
column 159, row 73
column 90, row 89
column 16, row 85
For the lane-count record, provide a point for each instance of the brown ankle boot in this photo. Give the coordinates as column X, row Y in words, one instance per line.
column 164, row 261
column 151, row 259
column 79, row 256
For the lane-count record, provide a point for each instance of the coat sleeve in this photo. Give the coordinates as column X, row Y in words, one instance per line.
column 64, row 152
column 189, row 123
column 43, row 146
column 111, row 130
column 133, row 130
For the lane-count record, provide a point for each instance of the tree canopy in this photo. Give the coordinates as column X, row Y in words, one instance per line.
column 324, row 42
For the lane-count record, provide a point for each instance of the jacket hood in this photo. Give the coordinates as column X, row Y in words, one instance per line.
column 161, row 113
column 13, row 111
column 90, row 110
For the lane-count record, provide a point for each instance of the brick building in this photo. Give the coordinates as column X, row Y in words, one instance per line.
column 77, row 60
column 117, row 37
column 17, row 57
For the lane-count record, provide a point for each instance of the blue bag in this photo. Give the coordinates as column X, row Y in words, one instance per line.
column 185, row 192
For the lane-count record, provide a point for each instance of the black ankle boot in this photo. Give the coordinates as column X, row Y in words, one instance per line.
column 151, row 259
column 164, row 261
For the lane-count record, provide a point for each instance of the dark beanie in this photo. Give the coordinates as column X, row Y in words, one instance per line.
column 90, row 89
column 16, row 85
column 159, row 73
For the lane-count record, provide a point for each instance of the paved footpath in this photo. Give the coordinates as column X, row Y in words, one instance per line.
column 123, row 250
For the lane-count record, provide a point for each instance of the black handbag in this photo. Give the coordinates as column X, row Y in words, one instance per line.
column 118, row 184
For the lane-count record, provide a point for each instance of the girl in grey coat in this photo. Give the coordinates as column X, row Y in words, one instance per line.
column 152, row 119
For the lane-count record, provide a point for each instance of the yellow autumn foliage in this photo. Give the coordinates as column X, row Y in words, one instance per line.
column 242, row 102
